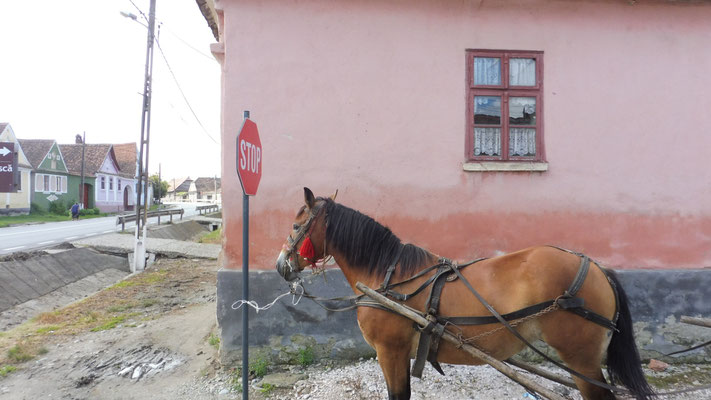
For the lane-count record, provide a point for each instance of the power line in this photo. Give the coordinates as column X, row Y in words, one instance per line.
column 172, row 33
column 175, row 79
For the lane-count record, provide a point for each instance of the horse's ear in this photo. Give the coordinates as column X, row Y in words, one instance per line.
column 333, row 196
column 309, row 198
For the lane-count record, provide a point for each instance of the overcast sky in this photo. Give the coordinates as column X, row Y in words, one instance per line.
column 68, row 67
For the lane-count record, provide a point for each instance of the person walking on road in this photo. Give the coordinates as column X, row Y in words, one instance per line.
column 75, row 212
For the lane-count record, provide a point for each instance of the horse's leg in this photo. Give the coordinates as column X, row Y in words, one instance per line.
column 582, row 351
column 395, row 363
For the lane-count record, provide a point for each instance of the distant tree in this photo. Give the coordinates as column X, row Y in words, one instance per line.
column 160, row 188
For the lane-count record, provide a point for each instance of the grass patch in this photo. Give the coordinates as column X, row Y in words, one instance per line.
column 145, row 303
column 259, row 367
column 214, row 237
column 121, row 307
column 7, row 369
column 110, row 324
column 34, row 218
column 214, row 341
column 123, row 284
column 305, row 356
column 267, row 389
column 153, row 277
column 48, row 329
column 19, row 354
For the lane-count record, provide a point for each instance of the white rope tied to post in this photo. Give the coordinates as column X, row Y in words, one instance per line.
column 297, row 284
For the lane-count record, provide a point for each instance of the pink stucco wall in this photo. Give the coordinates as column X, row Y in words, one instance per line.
column 368, row 97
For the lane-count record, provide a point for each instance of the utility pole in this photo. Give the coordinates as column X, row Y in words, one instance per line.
column 139, row 253
column 81, row 189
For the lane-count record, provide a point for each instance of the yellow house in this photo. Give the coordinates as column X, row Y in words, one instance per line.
column 19, row 202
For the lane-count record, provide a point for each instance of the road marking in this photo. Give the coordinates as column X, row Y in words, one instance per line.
column 72, row 238
column 13, row 248
column 47, row 242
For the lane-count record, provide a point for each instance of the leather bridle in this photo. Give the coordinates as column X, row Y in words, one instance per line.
column 292, row 254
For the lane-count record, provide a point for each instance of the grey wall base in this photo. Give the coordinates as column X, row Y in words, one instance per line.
column 285, row 330
column 657, row 299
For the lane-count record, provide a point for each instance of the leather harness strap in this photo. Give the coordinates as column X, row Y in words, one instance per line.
column 431, row 334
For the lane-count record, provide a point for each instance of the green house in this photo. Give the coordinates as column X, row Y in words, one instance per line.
column 50, row 181
column 74, row 159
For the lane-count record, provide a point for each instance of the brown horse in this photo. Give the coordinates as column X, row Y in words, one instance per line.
column 365, row 249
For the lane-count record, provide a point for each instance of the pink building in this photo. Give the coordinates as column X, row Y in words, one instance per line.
column 476, row 127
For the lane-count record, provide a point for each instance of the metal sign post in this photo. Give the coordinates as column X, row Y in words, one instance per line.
column 249, row 170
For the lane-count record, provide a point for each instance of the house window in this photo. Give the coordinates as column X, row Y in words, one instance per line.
column 118, row 184
column 103, row 182
column 111, row 183
column 504, row 105
column 45, row 181
column 57, row 184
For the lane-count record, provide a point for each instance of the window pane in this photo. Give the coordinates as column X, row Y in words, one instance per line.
column 487, row 141
column 522, row 142
column 522, row 110
column 522, row 72
column 487, row 71
column 487, row 110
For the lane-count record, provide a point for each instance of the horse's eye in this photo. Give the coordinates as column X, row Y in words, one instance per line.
column 296, row 227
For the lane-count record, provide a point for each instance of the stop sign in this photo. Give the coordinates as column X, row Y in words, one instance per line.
column 249, row 157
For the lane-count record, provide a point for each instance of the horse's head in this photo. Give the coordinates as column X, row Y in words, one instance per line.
column 305, row 244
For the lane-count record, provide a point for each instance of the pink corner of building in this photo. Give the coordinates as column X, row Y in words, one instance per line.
column 476, row 128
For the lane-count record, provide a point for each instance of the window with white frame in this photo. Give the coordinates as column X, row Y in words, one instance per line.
column 103, row 182
column 50, row 183
column 111, row 183
column 118, row 184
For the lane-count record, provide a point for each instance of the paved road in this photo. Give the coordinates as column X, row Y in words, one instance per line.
column 32, row 237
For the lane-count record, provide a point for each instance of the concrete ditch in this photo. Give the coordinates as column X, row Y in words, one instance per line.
column 46, row 281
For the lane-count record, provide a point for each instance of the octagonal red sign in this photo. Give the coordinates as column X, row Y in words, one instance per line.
column 249, row 157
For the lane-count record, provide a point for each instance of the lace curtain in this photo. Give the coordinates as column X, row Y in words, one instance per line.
column 522, row 72
column 522, row 142
column 487, row 141
column 487, row 71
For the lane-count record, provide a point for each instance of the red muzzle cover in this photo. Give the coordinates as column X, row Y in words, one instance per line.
column 307, row 249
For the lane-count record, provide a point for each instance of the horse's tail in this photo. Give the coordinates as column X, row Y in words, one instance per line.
column 623, row 361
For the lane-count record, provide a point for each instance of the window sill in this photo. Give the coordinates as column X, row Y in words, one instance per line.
column 505, row 166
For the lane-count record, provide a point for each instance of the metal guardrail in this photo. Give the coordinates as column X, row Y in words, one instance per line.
column 122, row 219
column 207, row 208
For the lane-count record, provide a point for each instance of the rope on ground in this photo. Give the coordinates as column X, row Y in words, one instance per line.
column 294, row 300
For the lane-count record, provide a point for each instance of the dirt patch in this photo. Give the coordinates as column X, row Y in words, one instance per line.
column 22, row 255
column 143, row 337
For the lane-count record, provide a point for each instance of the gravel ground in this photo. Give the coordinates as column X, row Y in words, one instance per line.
column 364, row 380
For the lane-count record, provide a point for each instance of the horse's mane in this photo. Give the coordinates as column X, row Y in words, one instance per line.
column 367, row 244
